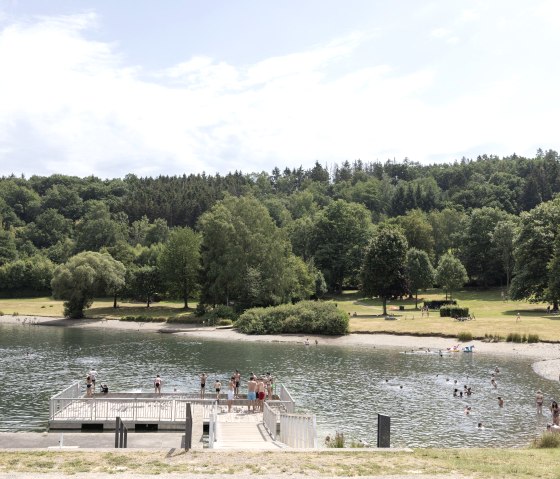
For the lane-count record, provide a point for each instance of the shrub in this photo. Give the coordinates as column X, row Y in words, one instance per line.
column 514, row 338
column 309, row 317
column 453, row 312
column 201, row 309
column 464, row 336
column 15, row 313
column 144, row 319
column 438, row 303
column 547, row 440
column 336, row 441
column 524, row 338
column 532, row 338
column 224, row 322
column 1, row 313
column 221, row 311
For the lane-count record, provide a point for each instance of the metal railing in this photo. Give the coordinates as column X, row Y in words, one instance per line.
column 129, row 409
column 212, row 425
column 298, row 430
column 285, row 396
column 60, row 401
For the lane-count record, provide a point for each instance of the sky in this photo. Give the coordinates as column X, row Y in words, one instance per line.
column 108, row 88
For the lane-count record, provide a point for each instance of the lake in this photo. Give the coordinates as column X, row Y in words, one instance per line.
column 346, row 387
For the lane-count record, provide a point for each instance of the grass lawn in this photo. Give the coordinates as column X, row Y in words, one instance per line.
column 487, row 463
column 101, row 308
column 493, row 316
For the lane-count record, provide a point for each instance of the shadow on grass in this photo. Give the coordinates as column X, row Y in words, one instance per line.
column 137, row 310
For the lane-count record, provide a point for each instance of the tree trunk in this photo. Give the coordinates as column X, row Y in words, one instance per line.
column 115, row 301
column 555, row 305
column 148, row 302
column 384, row 306
column 186, row 298
column 416, row 304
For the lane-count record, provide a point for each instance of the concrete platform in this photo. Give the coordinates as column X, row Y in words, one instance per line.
column 91, row 440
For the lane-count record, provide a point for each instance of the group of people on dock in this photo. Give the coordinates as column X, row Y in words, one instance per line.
column 259, row 388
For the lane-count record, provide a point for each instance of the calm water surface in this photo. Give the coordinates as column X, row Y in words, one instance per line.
column 344, row 386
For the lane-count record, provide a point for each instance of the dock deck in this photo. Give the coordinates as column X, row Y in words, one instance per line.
column 212, row 425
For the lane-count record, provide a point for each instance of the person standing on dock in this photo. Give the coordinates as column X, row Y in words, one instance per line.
column 203, row 377
column 252, row 393
column 89, row 390
column 237, row 379
column 157, row 384
column 230, row 393
column 93, row 376
column 218, row 388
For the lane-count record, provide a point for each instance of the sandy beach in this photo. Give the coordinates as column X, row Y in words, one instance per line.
column 546, row 355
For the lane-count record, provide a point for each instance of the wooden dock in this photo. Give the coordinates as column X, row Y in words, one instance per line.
column 212, row 425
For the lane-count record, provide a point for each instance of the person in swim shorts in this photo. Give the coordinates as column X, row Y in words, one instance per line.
column 237, row 380
column 203, row 377
column 251, row 393
column 230, row 393
column 157, row 384
column 218, row 388
column 539, row 399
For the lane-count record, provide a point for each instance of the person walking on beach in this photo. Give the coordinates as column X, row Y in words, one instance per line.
column 539, row 399
column 157, row 384
column 203, row 377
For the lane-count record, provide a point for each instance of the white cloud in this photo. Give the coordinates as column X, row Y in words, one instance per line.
column 70, row 105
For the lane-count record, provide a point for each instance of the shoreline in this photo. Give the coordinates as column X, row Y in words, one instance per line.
column 546, row 355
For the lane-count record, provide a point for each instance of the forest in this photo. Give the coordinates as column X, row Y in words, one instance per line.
column 259, row 239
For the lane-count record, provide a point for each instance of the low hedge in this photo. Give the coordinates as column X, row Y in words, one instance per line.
column 308, row 317
column 453, row 312
column 144, row 319
column 438, row 303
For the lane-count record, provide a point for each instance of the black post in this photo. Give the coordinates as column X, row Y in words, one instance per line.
column 188, row 428
column 121, row 434
column 383, row 431
column 117, row 430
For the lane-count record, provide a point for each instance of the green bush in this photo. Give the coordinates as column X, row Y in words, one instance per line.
column 144, row 319
column 224, row 322
column 201, row 309
column 453, row 312
column 310, row 317
column 532, row 338
column 1, row 313
column 464, row 336
column 438, row 303
column 548, row 440
column 221, row 311
column 514, row 338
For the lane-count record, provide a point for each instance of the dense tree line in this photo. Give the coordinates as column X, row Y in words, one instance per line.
column 269, row 238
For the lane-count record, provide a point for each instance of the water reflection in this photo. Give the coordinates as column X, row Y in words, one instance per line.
column 345, row 386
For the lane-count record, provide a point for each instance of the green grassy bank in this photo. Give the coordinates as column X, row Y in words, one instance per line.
column 494, row 316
